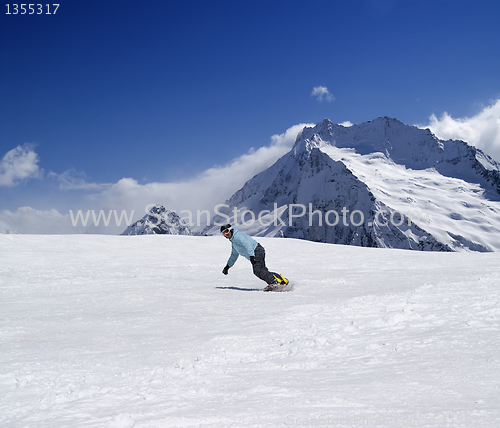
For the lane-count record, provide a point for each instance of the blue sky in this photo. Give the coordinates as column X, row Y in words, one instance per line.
column 167, row 91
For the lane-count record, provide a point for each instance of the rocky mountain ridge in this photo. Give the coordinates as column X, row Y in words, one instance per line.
column 158, row 221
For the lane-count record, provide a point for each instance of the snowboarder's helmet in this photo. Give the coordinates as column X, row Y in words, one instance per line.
column 224, row 227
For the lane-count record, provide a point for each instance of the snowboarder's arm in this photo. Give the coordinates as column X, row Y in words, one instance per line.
column 233, row 257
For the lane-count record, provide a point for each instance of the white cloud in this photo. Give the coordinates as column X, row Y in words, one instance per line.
column 204, row 191
column 482, row 130
column 19, row 164
column 74, row 180
column 322, row 94
column 29, row 220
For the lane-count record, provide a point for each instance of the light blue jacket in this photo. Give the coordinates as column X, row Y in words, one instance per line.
column 242, row 245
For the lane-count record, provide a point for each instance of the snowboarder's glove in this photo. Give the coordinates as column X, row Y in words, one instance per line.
column 252, row 259
column 225, row 271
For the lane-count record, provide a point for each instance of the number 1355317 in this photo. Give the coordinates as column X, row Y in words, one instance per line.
column 31, row 9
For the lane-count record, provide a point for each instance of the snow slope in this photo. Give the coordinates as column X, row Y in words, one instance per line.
column 145, row 331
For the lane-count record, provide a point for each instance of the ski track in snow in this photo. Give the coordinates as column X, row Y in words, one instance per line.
column 145, row 331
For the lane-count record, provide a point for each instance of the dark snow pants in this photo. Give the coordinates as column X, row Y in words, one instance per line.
column 259, row 267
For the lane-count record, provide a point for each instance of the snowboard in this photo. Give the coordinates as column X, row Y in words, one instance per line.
column 279, row 288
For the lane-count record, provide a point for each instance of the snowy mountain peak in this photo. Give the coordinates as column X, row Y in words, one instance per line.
column 381, row 184
column 385, row 135
column 158, row 221
column 406, row 145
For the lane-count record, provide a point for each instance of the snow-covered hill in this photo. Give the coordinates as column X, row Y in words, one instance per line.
column 377, row 184
column 145, row 331
column 158, row 221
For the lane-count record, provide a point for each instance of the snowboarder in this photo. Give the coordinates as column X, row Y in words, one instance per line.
column 244, row 245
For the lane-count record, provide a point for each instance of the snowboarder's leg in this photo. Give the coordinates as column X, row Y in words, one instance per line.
column 259, row 267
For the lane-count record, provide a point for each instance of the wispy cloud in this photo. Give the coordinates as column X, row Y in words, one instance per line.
column 322, row 94
column 481, row 130
column 74, row 180
column 19, row 164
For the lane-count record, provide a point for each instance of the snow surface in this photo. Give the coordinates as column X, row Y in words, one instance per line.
column 145, row 331
column 443, row 204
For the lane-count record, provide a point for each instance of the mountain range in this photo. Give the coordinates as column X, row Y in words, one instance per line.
column 376, row 184
column 158, row 221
